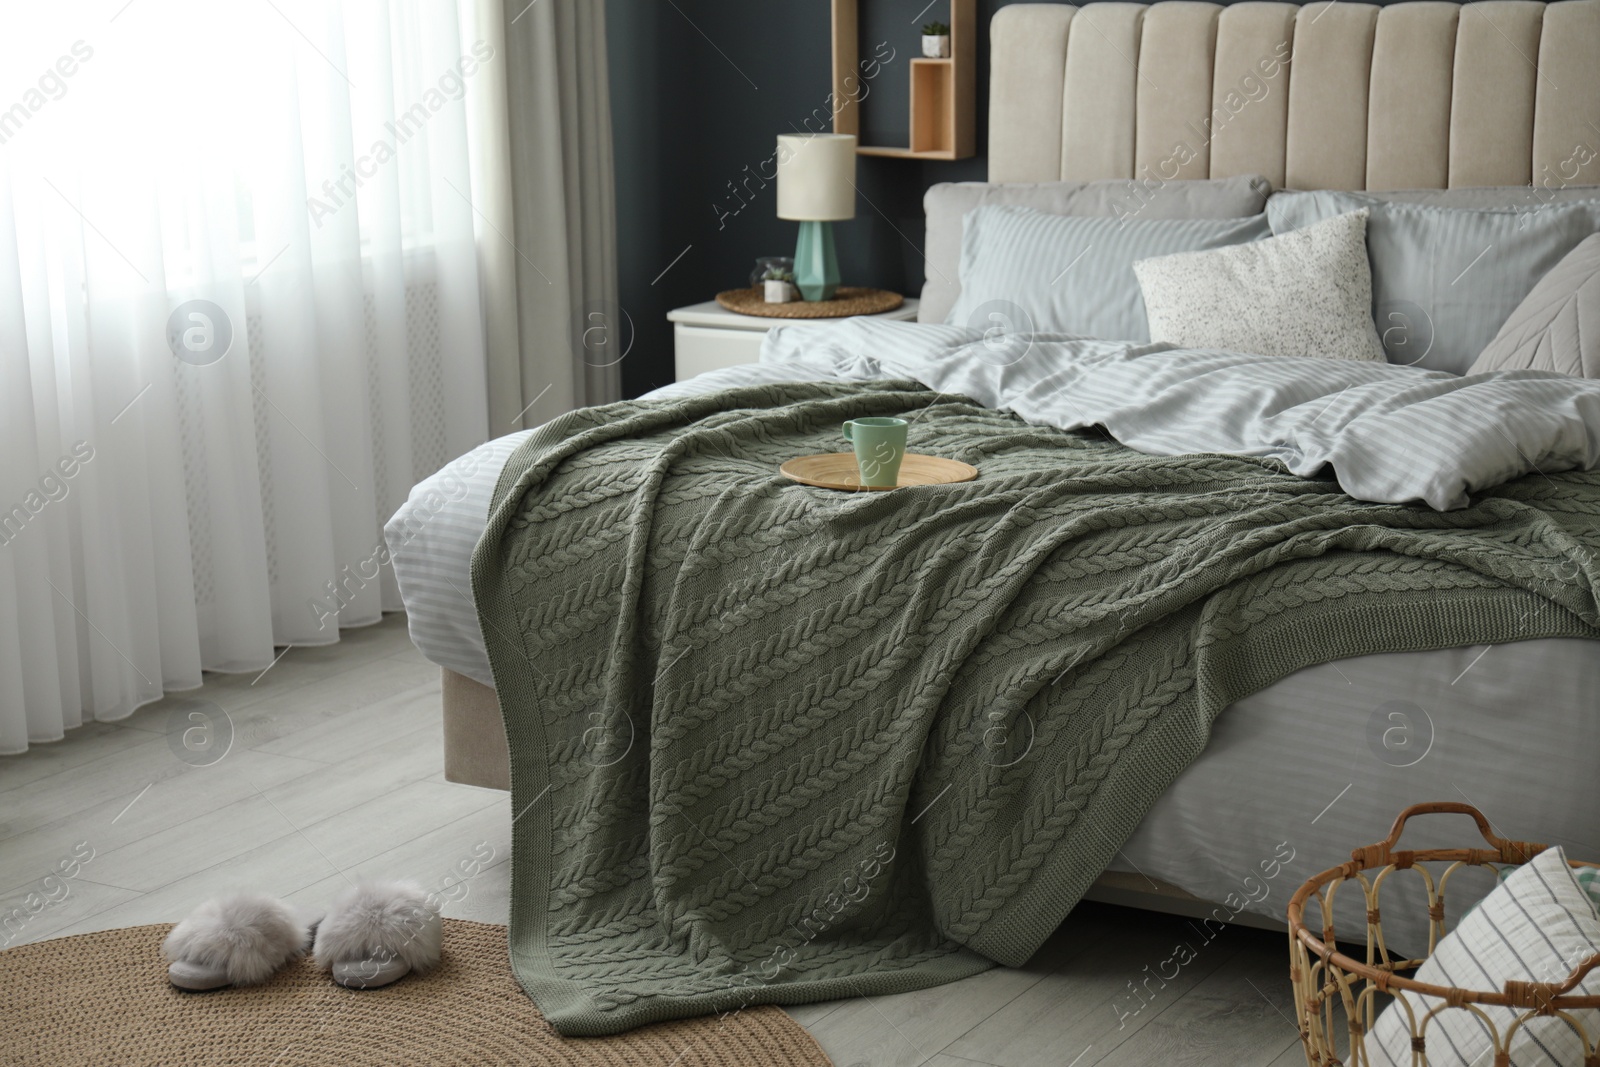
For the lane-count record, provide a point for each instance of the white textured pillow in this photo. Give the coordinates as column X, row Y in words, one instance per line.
column 1305, row 293
column 1537, row 926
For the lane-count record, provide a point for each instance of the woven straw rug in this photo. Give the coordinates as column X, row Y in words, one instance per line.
column 103, row 998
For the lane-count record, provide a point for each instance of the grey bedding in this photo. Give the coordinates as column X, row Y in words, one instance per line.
column 1321, row 762
column 725, row 695
column 1277, row 759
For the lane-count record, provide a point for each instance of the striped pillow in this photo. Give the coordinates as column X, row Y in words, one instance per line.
column 1035, row 272
column 1535, row 927
column 1444, row 280
column 948, row 203
column 1557, row 328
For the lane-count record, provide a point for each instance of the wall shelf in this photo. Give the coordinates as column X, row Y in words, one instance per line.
column 943, row 120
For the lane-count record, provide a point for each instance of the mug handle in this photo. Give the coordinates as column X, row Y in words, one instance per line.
column 847, row 427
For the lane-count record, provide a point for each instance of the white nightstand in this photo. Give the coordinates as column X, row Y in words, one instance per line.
column 707, row 336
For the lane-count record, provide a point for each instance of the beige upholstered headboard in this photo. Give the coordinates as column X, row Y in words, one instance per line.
column 1414, row 95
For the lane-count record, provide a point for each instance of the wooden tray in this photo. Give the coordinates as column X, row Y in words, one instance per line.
column 846, row 302
column 837, row 470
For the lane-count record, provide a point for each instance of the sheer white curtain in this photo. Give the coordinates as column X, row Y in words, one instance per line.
column 239, row 318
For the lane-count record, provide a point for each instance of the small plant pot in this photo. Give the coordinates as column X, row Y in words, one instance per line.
column 777, row 292
column 936, row 47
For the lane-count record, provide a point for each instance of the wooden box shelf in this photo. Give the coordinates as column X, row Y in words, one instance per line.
column 933, row 106
column 943, row 91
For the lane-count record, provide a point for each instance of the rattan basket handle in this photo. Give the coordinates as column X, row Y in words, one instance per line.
column 1383, row 852
column 1538, row 995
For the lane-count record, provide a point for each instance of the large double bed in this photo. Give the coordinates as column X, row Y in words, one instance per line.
column 1293, row 773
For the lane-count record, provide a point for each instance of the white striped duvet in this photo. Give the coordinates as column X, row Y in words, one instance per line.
column 1391, row 434
column 431, row 539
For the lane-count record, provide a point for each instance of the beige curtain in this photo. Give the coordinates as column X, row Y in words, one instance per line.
column 548, row 229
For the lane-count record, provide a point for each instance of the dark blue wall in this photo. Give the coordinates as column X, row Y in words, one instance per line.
column 700, row 89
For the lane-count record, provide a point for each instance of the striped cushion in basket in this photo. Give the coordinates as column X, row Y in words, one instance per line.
column 1535, row 927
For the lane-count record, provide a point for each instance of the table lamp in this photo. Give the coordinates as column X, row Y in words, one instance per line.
column 816, row 187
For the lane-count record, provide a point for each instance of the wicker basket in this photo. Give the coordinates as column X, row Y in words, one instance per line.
column 1327, row 982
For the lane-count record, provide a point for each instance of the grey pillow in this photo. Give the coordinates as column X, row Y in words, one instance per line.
column 1557, row 328
column 1491, row 197
column 1444, row 280
column 948, row 203
column 1027, row 271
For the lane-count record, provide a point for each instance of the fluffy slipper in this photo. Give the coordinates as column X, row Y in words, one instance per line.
column 378, row 932
column 241, row 939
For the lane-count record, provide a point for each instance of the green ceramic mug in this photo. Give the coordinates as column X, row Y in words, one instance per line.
column 880, row 444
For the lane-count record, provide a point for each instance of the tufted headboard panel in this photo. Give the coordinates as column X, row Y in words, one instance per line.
column 1331, row 95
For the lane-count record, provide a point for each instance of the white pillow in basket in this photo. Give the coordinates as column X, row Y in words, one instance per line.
column 1304, row 293
column 1536, row 926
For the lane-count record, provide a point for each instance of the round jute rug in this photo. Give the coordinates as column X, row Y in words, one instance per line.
column 103, row 998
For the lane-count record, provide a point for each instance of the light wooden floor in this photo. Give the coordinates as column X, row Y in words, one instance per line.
column 334, row 772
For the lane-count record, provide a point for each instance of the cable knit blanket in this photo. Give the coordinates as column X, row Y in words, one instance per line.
column 772, row 743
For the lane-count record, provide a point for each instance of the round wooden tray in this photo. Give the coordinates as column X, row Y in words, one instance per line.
column 837, row 470
column 846, row 302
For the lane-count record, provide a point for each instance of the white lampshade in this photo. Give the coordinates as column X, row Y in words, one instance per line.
column 816, row 176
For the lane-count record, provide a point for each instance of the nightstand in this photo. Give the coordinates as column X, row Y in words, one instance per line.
column 707, row 336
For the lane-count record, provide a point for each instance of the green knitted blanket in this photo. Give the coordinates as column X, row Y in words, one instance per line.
column 773, row 743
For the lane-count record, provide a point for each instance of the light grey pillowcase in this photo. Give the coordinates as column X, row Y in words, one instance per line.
column 1557, row 328
column 1444, row 280
column 1029, row 271
column 1306, row 293
column 948, row 203
column 1491, row 197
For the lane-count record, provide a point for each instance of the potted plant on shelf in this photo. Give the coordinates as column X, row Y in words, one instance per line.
column 936, row 40
column 777, row 285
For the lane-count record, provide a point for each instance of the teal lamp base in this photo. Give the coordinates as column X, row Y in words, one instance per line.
column 816, row 266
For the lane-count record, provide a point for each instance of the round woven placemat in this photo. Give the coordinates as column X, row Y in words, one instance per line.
column 846, row 301
column 104, row 998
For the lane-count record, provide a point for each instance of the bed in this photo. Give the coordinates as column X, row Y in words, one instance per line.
column 1416, row 96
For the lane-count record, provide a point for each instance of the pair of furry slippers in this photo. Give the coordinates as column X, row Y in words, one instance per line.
column 376, row 933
